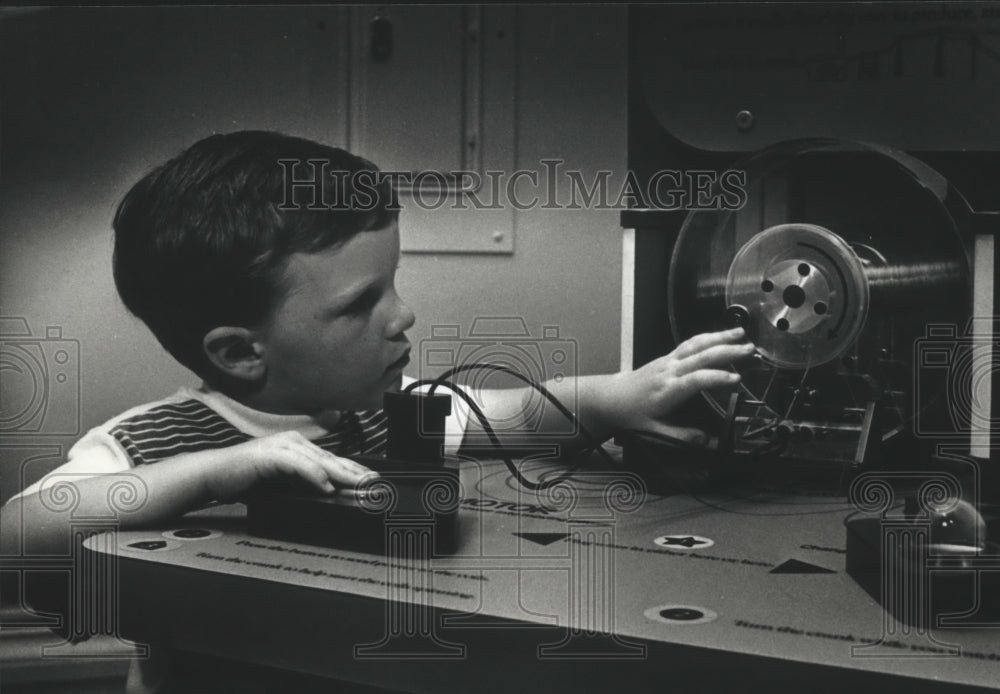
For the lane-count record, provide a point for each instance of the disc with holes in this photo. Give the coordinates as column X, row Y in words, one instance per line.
column 805, row 292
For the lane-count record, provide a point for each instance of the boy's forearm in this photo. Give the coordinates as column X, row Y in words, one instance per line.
column 523, row 418
column 39, row 523
column 591, row 399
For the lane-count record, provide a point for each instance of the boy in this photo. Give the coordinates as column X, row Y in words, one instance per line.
column 282, row 300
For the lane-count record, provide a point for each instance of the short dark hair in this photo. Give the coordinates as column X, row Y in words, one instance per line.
column 202, row 241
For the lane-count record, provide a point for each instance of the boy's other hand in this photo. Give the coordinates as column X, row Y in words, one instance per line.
column 644, row 398
column 284, row 455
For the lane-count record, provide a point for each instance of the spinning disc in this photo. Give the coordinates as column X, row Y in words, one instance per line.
column 805, row 292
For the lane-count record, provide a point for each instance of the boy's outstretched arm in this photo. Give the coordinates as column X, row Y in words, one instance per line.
column 37, row 522
column 640, row 399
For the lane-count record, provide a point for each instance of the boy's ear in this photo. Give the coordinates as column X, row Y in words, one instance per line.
column 235, row 353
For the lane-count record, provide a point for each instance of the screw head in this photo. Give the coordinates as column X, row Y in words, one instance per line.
column 744, row 120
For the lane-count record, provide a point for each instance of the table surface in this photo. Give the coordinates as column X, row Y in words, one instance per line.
column 749, row 580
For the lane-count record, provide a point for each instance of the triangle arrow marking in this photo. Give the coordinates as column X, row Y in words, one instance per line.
column 794, row 566
column 543, row 538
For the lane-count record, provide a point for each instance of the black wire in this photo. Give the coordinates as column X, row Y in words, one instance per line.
column 484, row 422
column 444, row 380
column 593, row 443
column 775, row 447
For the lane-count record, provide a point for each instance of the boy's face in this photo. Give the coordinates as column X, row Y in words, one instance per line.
column 337, row 342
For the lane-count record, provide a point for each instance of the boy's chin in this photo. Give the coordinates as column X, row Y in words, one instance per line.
column 393, row 384
column 396, row 384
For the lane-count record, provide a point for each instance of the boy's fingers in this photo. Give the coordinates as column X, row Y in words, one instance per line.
column 717, row 355
column 316, row 475
column 324, row 457
column 689, row 384
column 367, row 478
column 705, row 340
column 346, row 472
column 355, row 467
column 320, row 468
column 315, row 465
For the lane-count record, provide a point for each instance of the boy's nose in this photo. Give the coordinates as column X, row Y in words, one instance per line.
column 403, row 320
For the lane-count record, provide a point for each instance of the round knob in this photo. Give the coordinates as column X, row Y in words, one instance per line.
column 960, row 529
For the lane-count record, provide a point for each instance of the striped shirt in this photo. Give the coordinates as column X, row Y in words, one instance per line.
column 198, row 419
column 190, row 426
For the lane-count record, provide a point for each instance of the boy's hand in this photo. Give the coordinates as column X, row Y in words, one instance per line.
column 288, row 454
column 643, row 398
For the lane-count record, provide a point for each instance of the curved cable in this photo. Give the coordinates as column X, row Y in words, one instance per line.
column 444, row 380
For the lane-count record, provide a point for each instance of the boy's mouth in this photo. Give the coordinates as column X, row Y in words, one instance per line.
column 400, row 363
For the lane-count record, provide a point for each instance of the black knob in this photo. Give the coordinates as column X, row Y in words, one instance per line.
column 737, row 316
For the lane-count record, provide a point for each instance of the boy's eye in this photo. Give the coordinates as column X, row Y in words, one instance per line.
column 361, row 304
